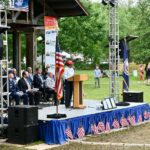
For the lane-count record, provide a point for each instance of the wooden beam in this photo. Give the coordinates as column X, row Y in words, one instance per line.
column 17, row 51
column 31, row 50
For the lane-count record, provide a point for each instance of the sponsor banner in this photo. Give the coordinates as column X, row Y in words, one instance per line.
column 18, row 5
column 51, row 27
column 50, row 22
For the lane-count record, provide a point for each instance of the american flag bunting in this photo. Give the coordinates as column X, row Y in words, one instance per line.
column 124, row 122
column 101, row 127
column 69, row 133
column 81, row 132
column 94, row 129
column 116, row 124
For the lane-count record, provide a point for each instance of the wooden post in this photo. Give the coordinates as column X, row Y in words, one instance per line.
column 17, row 51
column 31, row 50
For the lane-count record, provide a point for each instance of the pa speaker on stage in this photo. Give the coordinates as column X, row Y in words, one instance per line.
column 23, row 135
column 1, row 47
column 133, row 96
column 22, row 124
column 22, row 115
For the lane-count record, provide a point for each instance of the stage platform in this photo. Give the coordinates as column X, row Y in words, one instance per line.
column 53, row 131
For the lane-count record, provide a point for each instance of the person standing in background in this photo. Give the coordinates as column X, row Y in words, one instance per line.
column 97, row 75
column 141, row 70
column 148, row 74
column 69, row 72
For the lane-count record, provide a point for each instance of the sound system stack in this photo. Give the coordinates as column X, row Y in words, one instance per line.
column 22, row 124
column 133, row 96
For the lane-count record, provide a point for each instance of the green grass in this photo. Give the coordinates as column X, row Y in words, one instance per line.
column 90, row 92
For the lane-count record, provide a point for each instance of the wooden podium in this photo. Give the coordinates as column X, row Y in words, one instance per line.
column 77, row 90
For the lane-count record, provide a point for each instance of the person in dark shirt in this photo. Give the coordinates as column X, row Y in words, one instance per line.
column 14, row 91
column 25, row 87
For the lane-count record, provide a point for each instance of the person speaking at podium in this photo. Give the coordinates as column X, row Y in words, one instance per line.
column 69, row 72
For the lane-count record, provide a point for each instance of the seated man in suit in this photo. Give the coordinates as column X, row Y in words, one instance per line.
column 30, row 78
column 25, row 87
column 16, row 77
column 50, row 85
column 37, row 79
column 14, row 91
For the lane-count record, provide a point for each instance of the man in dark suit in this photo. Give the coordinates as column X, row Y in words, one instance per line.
column 37, row 79
column 25, row 87
column 14, row 91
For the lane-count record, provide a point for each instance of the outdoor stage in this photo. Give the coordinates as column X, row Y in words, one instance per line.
column 52, row 131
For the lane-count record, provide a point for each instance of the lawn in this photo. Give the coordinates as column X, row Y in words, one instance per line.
column 90, row 92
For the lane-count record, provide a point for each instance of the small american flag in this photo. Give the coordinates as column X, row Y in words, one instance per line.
column 69, row 133
column 101, row 127
column 131, row 120
column 149, row 115
column 116, row 124
column 81, row 132
column 107, row 127
column 94, row 129
column 146, row 115
column 124, row 122
column 59, row 72
column 140, row 119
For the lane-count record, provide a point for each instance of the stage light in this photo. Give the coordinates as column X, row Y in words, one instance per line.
column 105, row 2
column 112, row 3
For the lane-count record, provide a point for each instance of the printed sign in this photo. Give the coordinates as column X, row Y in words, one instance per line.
column 51, row 27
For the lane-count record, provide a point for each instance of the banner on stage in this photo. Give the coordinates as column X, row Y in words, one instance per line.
column 51, row 28
column 17, row 5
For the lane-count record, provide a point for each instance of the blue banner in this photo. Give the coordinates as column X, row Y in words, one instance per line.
column 21, row 5
column 124, row 48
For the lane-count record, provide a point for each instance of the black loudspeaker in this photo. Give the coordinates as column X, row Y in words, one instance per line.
column 133, row 96
column 22, row 115
column 22, row 124
column 23, row 135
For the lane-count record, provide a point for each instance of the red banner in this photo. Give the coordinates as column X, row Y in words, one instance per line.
column 50, row 22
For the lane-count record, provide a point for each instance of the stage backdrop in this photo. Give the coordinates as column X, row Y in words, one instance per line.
column 18, row 5
column 51, row 28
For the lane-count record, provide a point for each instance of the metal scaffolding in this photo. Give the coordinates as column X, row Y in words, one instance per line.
column 114, row 50
column 4, row 87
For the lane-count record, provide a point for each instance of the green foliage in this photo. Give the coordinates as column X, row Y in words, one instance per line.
column 85, row 35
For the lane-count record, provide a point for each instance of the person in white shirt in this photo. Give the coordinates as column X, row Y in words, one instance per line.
column 50, row 87
column 69, row 72
column 97, row 75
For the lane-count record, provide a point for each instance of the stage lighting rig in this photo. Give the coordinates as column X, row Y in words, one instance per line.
column 110, row 2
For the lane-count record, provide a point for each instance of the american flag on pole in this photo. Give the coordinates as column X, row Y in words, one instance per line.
column 69, row 133
column 59, row 72
column 107, row 127
column 124, row 122
column 101, row 127
column 146, row 115
column 94, row 129
column 140, row 119
column 116, row 124
column 81, row 132
column 131, row 120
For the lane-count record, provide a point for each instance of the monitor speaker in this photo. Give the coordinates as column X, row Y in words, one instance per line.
column 133, row 96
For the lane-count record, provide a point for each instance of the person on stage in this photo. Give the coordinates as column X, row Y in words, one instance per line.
column 69, row 72
column 97, row 75
column 50, row 87
column 25, row 87
column 30, row 78
column 14, row 91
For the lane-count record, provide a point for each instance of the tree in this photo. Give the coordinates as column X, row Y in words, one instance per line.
column 86, row 35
